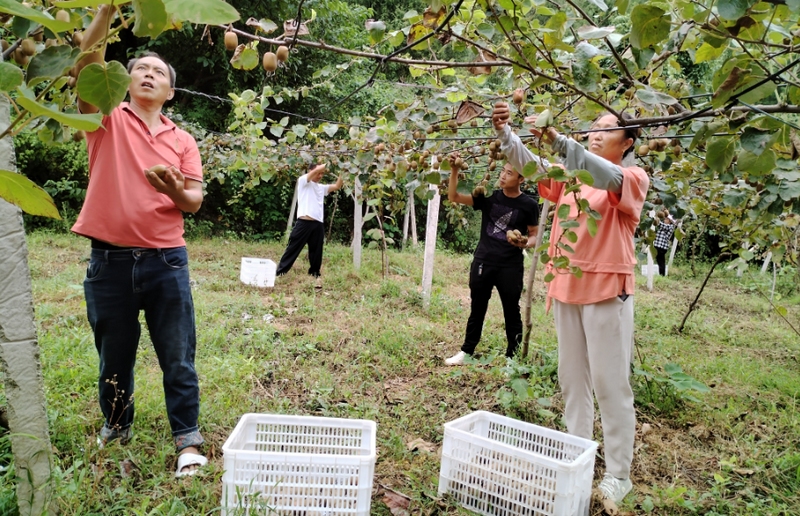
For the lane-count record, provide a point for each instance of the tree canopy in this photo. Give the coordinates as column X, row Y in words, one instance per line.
column 713, row 86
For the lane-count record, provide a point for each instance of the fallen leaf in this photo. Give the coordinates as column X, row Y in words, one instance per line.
column 398, row 504
column 127, row 468
column 421, row 445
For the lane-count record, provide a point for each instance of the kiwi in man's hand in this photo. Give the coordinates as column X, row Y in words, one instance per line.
column 159, row 170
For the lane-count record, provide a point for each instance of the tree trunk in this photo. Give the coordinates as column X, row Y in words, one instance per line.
column 650, row 269
column 537, row 256
column 430, row 246
column 358, row 222
column 19, row 355
column 697, row 297
column 413, row 222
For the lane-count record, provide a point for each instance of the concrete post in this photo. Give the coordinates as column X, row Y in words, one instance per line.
column 19, row 355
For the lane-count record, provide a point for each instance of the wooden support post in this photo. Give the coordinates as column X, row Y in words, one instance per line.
column 430, row 245
column 358, row 222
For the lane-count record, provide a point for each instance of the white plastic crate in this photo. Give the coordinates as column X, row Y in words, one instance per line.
column 498, row 466
column 314, row 466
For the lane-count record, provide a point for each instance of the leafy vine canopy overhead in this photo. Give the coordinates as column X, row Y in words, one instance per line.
column 713, row 84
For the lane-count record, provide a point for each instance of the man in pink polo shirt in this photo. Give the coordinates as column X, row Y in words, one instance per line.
column 133, row 216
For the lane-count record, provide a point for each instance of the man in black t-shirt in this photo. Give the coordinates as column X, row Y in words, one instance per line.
column 498, row 259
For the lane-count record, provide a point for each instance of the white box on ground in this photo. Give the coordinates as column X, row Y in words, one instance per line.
column 278, row 464
column 498, row 466
column 259, row 272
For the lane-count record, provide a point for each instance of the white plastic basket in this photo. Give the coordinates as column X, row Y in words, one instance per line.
column 315, row 466
column 498, row 466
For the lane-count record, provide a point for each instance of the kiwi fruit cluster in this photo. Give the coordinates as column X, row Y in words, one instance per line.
column 515, row 237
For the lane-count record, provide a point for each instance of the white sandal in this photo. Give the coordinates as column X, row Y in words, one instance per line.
column 189, row 459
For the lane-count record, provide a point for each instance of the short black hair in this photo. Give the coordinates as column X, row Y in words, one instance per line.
column 314, row 165
column 132, row 62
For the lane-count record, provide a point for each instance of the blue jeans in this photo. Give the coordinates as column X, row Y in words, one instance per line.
column 118, row 285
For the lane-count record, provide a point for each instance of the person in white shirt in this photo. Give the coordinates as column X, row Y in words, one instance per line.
column 309, row 228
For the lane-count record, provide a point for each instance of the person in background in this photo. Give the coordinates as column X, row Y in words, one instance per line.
column 143, row 173
column 498, row 259
column 309, row 228
column 666, row 226
column 594, row 312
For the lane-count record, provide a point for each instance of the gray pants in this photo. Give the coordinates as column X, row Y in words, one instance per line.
column 595, row 348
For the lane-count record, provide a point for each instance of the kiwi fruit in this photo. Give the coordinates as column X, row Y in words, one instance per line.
column 77, row 38
column 282, row 53
column 159, row 170
column 231, row 40
column 270, row 61
column 20, row 57
column 28, row 46
column 518, row 96
column 644, row 150
column 62, row 16
column 78, row 135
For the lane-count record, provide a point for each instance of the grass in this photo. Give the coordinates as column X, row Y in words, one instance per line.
column 365, row 347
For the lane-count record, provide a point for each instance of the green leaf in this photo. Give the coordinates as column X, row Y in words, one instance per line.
column 79, row 4
column 544, row 119
column 592, row 32
column 591, row 226
column 557, row 25
column 104, row 86
column 151, row 18
column 276, row 130
column 433, row 178
column 16, row 8
column 720, row 153
column 247, row 59
column 82, row 122
column 650, row 25
column 653, row 97
column 376, row 29
column 585, row 71
column 728, row 86
column 756, row 165
column 51, row 63
column 584, row 177
column 755, row 140
column 708, row 52
column 571, row 236
column 486, row 30
column 10, row 76
column 205, row 12
column 549, row 277
column 734, row 198
column 600, row 4
column 569, row 224
column 563, row 211
column 330, row 129
column 733, row 9
column 643, row 56
column 299, row 129
column 264, row 24
column 27, row 195
column 789, row 190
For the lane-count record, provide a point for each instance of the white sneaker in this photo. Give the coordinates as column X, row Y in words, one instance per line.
column 457, row 359
column 615, row 488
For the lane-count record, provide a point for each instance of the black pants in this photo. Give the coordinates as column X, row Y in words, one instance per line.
column 311, row 232
column 483, row 277
column 661, row 259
